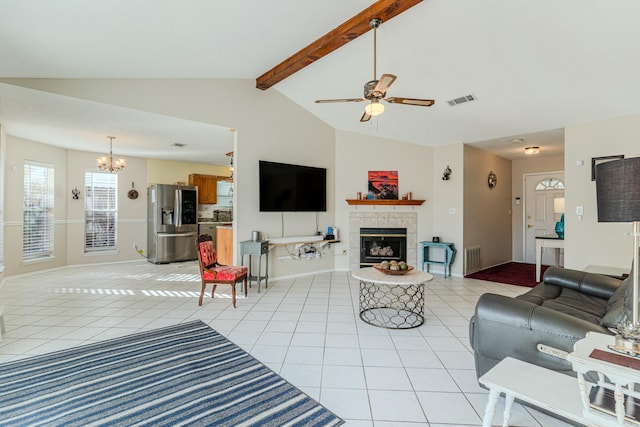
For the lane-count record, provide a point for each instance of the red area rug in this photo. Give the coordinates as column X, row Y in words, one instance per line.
column 511, row 273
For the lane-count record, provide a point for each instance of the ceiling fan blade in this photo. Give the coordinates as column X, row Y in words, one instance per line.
column 323, row 101
column 365, row 117
column 385, row 81
column 411, row 101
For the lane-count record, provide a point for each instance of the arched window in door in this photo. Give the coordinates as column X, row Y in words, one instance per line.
column 550, row 184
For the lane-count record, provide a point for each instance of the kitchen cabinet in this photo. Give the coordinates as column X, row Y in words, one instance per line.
column 224, row 244
column 207, row 188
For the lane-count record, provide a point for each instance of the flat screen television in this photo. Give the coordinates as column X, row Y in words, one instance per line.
column 292, row 188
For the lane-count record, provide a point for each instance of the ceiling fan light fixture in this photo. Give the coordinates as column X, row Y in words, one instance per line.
column 374, row 108
column 532, row 150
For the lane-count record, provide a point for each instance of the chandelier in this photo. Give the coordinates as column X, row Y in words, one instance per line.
column 107, row 164
column 230, row 155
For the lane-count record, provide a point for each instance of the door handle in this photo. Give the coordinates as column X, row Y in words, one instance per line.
column 529, row 225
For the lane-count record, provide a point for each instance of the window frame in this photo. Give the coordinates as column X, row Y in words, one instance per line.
column 103, row 235
column 36, row 248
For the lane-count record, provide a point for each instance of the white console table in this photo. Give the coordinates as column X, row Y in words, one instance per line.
column 547, row 242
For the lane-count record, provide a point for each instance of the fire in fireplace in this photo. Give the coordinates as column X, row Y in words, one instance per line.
column 382, row 244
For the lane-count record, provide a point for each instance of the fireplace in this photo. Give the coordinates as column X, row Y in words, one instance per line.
column 382, row 244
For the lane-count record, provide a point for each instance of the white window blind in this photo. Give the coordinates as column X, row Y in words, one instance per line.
column 37, row 230
column 100, row 211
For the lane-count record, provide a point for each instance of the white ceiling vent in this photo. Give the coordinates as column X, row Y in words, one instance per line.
column 462, row 100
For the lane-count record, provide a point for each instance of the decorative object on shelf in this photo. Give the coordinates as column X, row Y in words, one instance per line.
column 435, row 239
column 401, row 270
column 618, row 200
column 359, row 195
column 492, row 180
column 595, row 161
column 133, row 193
column 558, row 207
column 230, row 155
column 75, row 193
column 107, row 164
column 383, row 184
column 532, row 150
column 446, row 174
column 372, row 201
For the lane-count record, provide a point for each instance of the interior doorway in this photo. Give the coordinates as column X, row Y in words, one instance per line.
column 540, row 190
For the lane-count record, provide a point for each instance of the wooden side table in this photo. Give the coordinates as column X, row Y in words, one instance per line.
column 449, row 255
column 258, row 248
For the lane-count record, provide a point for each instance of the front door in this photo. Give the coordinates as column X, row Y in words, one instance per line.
column 540, row 220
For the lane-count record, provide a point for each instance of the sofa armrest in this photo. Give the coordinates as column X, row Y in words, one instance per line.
column 504, row 326
column 594, row 284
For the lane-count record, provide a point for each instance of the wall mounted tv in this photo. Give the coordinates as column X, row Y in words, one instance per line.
column 292, row 188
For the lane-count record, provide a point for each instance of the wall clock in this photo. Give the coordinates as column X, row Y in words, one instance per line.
column 492, row 180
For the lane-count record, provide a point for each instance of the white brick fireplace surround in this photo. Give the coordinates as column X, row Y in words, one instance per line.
column 408, row 220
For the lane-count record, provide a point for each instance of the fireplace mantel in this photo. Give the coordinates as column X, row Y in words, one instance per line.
column 384, row 202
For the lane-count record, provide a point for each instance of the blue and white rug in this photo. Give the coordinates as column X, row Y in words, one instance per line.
column 187, row 374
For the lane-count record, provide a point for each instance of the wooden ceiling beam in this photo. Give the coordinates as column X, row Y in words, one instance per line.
column 339, row 36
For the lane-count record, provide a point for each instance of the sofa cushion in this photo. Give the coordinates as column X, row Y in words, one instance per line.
column 619, row 307
column 579, row 305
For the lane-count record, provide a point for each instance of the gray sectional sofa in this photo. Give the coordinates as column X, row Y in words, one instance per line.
column 558, row 312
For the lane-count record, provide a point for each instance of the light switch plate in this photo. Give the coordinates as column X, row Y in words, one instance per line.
column 579, row 210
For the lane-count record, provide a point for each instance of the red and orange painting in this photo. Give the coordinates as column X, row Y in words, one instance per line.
column 383, row 184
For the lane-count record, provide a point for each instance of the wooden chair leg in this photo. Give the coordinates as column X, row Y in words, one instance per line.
column 233, row 294
column 201, row 294
column 213, row 289
column 245, row 286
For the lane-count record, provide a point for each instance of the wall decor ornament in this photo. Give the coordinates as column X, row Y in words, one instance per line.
column 447, row 174
column 492, row 180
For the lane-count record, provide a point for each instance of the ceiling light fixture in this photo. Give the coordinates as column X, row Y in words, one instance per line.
column 532, row 150
column 374, row 108
column 107, row 164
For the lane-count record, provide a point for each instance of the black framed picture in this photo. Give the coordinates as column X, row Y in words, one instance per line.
column 597, row 160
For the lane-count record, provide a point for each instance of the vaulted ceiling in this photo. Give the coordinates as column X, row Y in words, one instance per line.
column 534, row 66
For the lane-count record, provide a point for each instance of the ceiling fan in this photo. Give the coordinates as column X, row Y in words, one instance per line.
column 375, row 90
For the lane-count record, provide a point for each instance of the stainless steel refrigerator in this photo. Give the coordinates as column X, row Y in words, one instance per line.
column 172, row 223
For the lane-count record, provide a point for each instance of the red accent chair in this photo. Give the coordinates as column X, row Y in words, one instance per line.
column 214, row 273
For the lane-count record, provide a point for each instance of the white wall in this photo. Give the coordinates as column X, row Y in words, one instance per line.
column 357, row 154
column 588, row 242
column 487, row 212
column 270, row 127
column 448, row 195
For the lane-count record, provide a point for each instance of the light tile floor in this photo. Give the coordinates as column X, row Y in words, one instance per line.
column 306, row 329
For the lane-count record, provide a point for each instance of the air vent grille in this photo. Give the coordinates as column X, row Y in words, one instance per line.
column 462, row 100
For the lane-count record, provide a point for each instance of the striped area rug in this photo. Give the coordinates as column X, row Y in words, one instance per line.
column 187, row 374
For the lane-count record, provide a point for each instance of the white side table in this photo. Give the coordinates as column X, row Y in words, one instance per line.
column 550, row 390
column 547, row 242
column 620, row 379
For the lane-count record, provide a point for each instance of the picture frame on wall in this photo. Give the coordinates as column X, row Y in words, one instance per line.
column 383, row 184
column 597, row 160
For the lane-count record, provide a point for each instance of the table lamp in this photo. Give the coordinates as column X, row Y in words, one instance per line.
column 618, row 200
column 558, row 207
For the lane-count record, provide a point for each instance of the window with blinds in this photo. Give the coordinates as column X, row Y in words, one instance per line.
column 100, row 211
column 37, row 229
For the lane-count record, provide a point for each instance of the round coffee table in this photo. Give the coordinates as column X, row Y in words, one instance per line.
column 392, row 301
